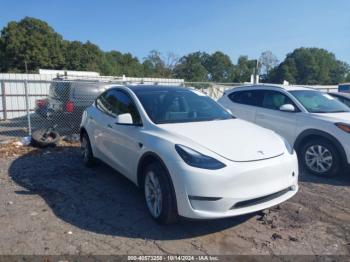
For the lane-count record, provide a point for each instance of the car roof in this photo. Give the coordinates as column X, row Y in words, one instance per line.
column 137, row 88
column 270, row 87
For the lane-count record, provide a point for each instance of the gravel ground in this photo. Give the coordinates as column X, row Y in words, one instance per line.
column 52, row 204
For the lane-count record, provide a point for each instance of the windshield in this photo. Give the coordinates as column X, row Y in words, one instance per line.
column 178, row 106
column 318, row 102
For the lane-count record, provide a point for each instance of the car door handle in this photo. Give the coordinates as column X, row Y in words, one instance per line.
column 109, row 125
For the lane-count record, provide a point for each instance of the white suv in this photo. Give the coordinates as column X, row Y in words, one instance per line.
column 314, row 122
column 177, row 145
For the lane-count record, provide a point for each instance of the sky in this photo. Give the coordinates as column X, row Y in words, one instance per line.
column 235, row 27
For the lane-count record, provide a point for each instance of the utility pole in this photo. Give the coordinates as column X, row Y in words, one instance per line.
column 256, row 70
column 25, row 66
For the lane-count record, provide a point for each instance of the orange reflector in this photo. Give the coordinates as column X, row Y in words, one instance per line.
column 343, row 127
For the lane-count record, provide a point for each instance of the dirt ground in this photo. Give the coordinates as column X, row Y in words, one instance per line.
column 51, row 204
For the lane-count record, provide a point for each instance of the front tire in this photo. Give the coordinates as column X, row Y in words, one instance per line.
column 159, row 196
column 320, row 157
column 86, row 151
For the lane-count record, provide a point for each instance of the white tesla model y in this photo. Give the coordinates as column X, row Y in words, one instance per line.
column 190, row 156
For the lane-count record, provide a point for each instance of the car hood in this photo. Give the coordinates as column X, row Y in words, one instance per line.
column 334, row 117
column 235, row 140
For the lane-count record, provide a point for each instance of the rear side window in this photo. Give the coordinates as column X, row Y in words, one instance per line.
column 249, row 97
column 274, row 100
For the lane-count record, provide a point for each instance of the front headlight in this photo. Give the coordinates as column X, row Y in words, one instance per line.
column 196, row 159
column 344, row 127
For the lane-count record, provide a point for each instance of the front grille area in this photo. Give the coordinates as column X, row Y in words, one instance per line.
column 260, row 200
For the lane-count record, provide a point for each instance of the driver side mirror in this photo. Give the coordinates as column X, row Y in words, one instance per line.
column 287, row 108
column 124, row 119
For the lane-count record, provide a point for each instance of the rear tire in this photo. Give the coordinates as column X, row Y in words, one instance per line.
column 320, row 157
column 159, row 196
column 88, row 157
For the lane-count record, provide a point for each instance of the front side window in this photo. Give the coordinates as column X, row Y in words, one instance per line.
column 116, row 102
column 178, row 106
column 103, row 105
column 318, row 102
column 274, row 100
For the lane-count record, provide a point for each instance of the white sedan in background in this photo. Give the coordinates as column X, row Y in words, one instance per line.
column 190, row 156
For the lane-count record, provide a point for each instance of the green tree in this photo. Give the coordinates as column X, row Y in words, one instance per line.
column 155, row 65
column 1, row 59
column 83, row 56
column 191, row 68
column 219, row 66
column 348, row 77
column 267, row 62
column 117, row 63
column 243, row 70
column 310, row 66
column 32, row 42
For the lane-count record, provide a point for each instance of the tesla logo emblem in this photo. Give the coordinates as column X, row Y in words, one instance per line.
column 261, row 152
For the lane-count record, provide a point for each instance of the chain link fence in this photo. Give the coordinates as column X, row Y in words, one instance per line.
column 17, row 106
column 30, row 105
column 57, row 104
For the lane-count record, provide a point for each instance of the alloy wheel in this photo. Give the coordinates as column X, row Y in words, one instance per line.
column 153, row 194
column 318, row 158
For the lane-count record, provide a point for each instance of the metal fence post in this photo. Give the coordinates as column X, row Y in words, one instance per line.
column 3, row 98
column 27, row 107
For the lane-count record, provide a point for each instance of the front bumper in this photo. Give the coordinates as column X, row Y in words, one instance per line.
column 237, row 189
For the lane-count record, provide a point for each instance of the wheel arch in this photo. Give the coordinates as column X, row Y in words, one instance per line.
column 82, row 131
column 314, row 133
column 148, row 158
